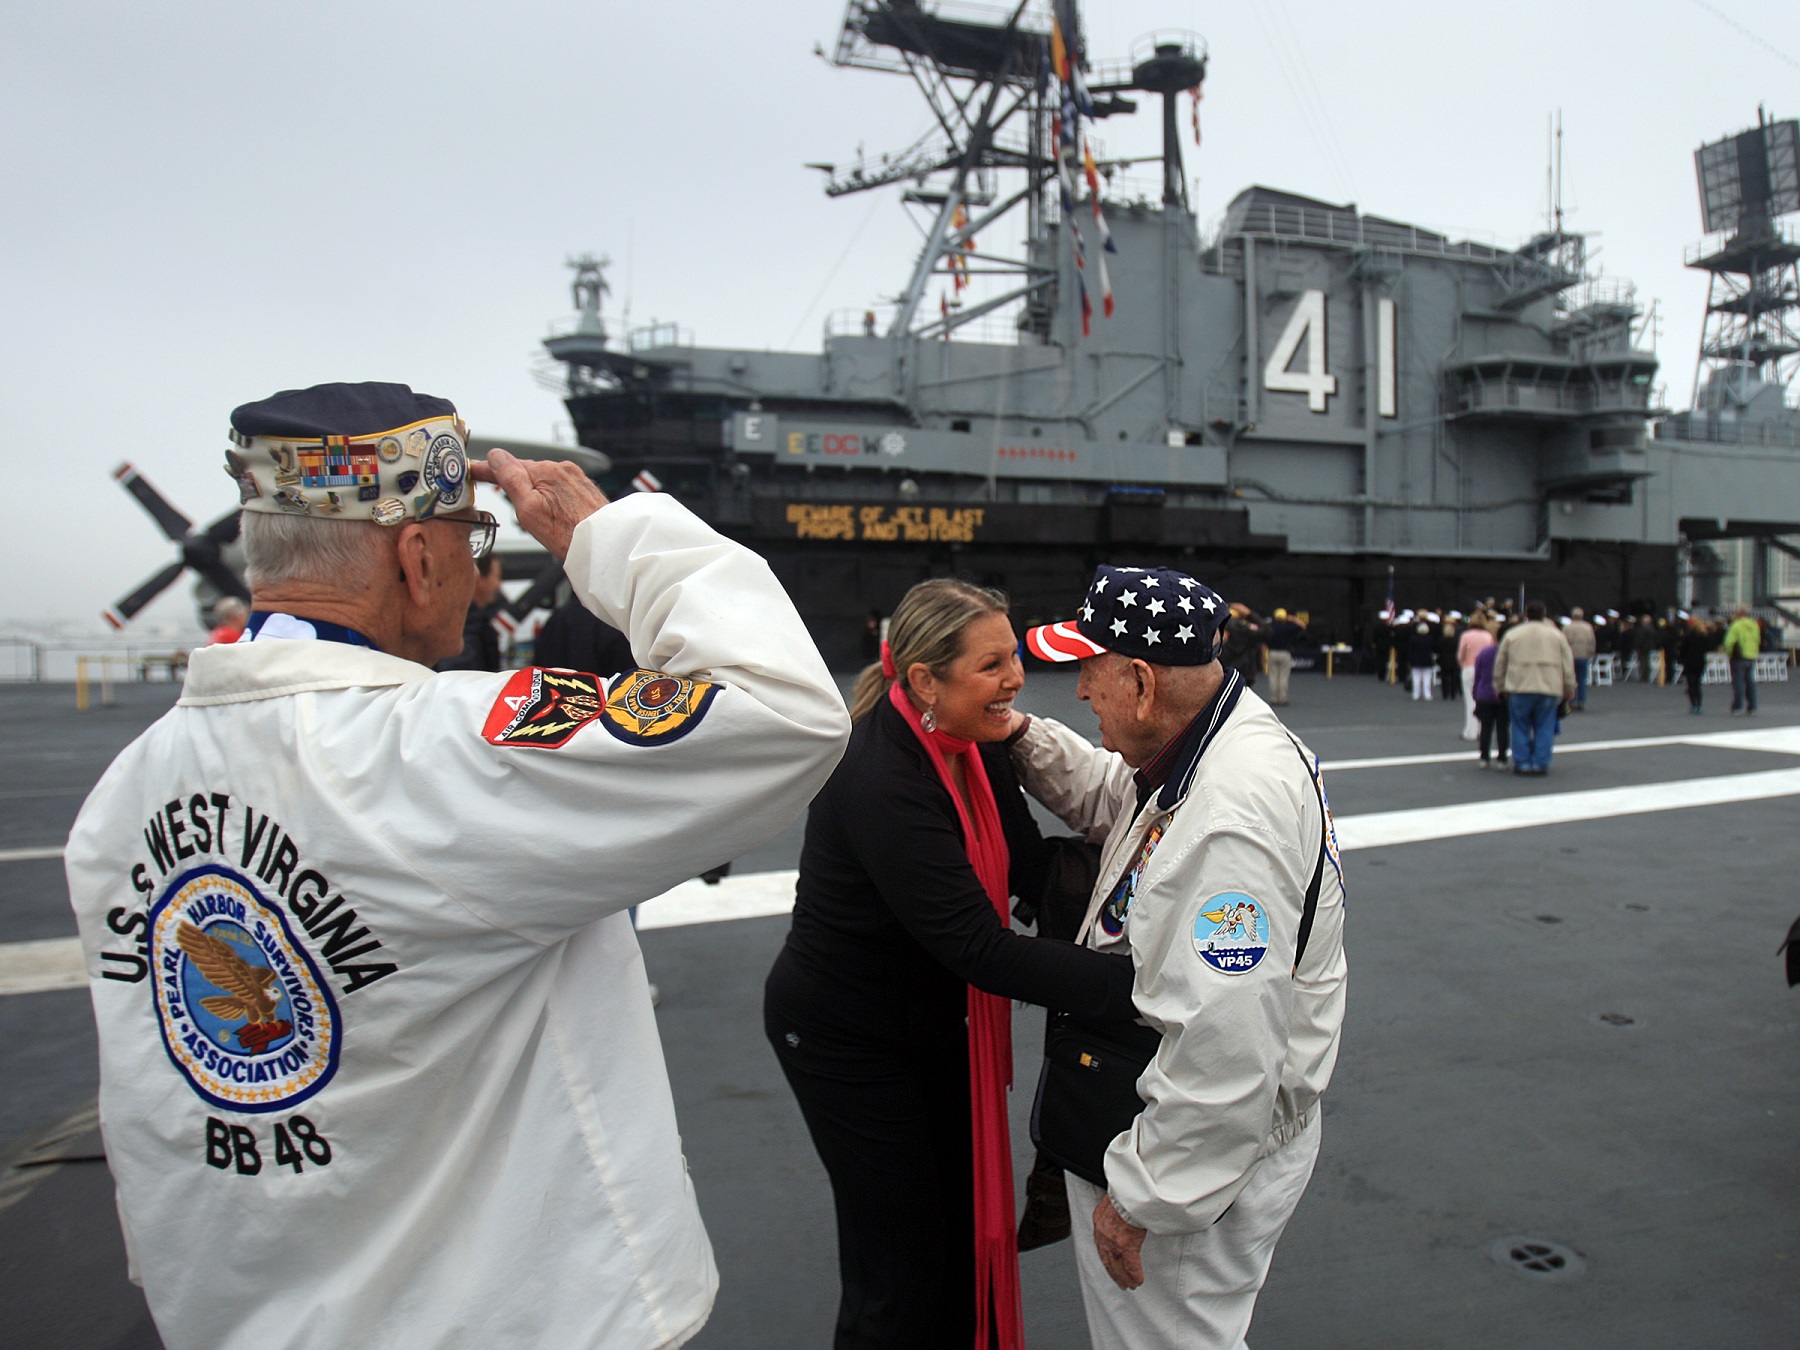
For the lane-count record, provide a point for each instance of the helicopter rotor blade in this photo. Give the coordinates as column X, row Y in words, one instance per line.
column 173, row 523
column 128, row 608
column 541, row 591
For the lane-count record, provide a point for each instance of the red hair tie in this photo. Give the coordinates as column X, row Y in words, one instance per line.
column 887, row 660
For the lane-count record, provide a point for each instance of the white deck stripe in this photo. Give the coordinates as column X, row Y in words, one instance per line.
column 48, row 963
column 753, row 895
column 1774, row 740
column 29, row 854
column 1381, row 829
column 57, row 963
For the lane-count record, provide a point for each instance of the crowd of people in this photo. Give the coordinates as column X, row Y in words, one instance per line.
column 1458, row 657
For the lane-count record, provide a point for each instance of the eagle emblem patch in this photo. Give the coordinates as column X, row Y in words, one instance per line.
column 648, row 707
column 543, row 708
column 244, row 1013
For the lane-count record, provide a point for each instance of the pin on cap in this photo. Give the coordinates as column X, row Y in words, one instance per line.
column 1151, row 614
column 351, row 452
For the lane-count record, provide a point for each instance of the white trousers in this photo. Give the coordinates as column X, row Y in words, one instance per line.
column 1200, row 1288
column 1421, row 681
column 1471, row 727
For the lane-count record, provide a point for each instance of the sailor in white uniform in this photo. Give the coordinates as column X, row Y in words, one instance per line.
column 378, row 1061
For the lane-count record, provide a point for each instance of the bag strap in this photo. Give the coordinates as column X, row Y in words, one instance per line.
column 1311, row 908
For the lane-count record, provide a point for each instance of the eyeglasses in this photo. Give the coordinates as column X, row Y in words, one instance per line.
column 482, row 528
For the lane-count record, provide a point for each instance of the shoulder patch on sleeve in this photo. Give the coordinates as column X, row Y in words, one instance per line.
column 1231, row 933
column 543, row 708
column 649, row 707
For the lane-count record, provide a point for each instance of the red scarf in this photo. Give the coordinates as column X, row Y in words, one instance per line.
column 997, row 1309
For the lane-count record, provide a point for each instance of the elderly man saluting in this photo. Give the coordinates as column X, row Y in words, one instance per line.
column 378, row 1063
column 1220, row 878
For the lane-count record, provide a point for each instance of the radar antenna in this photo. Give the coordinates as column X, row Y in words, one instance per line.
column 587, row 290
column 1751, row 341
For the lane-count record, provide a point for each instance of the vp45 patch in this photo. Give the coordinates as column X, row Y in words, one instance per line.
column 1231, row 933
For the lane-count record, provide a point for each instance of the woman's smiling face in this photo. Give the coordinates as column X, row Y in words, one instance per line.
column 973, row 700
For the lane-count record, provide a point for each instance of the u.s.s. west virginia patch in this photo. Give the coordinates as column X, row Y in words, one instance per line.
column 648, row 707
column 543, row 708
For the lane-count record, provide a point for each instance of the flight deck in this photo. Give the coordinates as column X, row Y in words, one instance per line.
column 1564, row 1114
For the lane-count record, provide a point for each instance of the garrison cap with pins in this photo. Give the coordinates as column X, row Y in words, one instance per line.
column 1153, row 614
column 375, row 452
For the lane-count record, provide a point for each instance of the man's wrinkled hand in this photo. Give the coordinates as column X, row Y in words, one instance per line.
column 551, row 499
column 1120, row 1244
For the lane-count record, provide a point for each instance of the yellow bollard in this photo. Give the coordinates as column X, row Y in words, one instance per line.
column 1328, row 663
column 81, row 684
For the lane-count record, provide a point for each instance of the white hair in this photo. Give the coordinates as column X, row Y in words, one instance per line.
column 284, row 550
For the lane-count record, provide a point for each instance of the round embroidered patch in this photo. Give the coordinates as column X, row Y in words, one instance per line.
column 649, row 707
column 244, row 1013
column 1231, row 933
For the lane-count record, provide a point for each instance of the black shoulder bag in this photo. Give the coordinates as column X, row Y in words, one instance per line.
column 1087, row 1089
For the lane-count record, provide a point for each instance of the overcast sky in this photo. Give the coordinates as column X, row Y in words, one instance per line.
column 207, row 202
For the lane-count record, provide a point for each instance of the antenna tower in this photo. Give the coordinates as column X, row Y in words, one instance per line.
column 1751, row 341
column 984, row 73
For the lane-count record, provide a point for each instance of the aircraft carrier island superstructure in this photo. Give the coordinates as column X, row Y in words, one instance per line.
column 1298, row 406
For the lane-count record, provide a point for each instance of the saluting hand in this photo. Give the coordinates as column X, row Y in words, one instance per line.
column 551, row 498
column 1120, row 1245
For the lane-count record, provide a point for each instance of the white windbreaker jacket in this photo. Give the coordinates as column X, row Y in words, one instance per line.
column 378, row 1062
column 1204, row 887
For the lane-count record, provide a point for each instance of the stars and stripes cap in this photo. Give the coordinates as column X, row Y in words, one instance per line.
column 1153, row 614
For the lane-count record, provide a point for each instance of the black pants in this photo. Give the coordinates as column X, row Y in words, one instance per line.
column 890, row 1120
column 1493, row 718
column 1693, row 673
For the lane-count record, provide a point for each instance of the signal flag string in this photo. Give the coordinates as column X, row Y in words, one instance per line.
column 1067, row 145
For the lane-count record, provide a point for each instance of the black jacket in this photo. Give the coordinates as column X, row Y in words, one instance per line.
column 890, row 921
column 481, row 644
column 572, row 638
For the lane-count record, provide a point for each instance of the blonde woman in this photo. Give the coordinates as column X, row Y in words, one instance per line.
column 888, row 1006
column 1479, row 635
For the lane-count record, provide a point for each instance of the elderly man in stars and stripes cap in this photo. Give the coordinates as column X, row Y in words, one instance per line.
column 1221, row 879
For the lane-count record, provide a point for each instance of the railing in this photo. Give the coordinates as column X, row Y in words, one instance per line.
column 1715, row 244
column 1609, row 668
column 1601, row 292
column 27, row 660
column 1353, row 231
column 1689, row 426
column 868, row 321
column 653, row 335
column 1511, row 393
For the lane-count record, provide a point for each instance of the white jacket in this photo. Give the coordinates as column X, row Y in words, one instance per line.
column 393, row 1078
column 1248, row 1044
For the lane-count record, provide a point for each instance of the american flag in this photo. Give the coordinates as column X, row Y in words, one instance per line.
column 645, row 481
